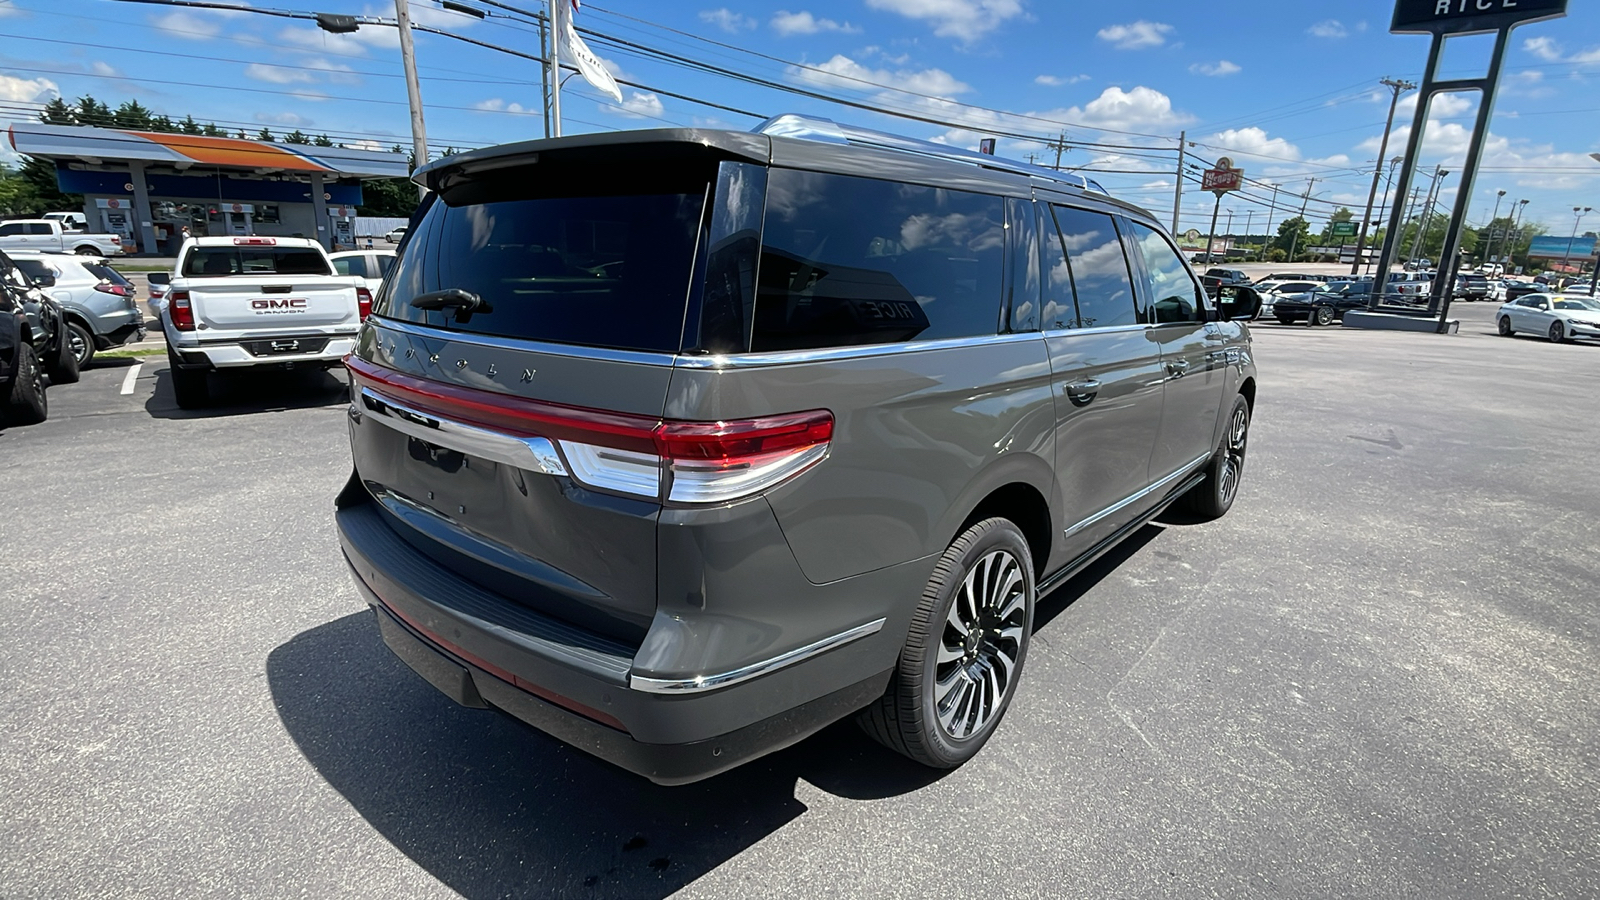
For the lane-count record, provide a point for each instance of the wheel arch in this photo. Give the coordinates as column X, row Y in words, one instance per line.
column 1025, row 506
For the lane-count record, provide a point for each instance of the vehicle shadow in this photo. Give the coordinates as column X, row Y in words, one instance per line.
column 1057, row 601
column 494, row 808
column 113, row 362
column 246, row 393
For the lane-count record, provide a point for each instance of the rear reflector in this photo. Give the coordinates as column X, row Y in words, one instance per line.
column 179, row 311
column 697, row 462
column 364, row 302
column 255, row 241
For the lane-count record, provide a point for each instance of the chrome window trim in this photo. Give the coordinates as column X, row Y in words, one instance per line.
column 1104, row 329
column 863, row 351
column 533, row 454
column 701, row 683
column 571, row 351
column 1137, row 496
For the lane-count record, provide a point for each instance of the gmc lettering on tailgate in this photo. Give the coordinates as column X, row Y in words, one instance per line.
column 276, row 306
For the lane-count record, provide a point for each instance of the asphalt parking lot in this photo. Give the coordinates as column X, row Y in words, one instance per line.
column 1375, row 678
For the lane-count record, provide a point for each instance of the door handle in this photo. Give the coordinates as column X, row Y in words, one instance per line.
column 1082, row 393
column 1178, row 368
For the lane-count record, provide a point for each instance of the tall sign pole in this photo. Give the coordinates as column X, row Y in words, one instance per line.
column 555, row 66
column 1220, row 180
column 1177, row 192
column 1443, row 18
column 408, row 58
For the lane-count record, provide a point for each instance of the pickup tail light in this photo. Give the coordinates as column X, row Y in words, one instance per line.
column 179, row 310
column 685, row 463
column 364, row 302
column 116, row 240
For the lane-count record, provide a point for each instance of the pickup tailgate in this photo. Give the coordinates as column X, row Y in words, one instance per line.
column 283, row 302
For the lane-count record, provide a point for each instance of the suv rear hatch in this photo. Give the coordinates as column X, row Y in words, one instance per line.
column 579, row 275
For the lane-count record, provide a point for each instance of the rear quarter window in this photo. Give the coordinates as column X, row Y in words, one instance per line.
column 848, row 261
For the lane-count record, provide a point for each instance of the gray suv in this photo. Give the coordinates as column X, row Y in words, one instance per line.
column 680, row 445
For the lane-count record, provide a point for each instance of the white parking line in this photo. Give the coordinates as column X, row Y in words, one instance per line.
column 132, row 376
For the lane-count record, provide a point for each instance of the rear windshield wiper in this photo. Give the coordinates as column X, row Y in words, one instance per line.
column 465, row 303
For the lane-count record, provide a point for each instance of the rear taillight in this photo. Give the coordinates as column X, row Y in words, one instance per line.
column 116, row 240
column 106, row 287
column 181, row 313
column 364, row 302
column 692, row 463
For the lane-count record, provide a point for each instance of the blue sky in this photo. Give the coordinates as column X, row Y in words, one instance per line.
column 1284, row 89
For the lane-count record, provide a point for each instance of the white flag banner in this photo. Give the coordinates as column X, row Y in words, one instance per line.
column 593, row 70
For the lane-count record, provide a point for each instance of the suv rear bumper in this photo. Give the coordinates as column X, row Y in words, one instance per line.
column 483, row 650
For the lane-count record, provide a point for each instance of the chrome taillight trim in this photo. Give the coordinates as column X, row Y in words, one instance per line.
column 534, row 454
column 611, row 469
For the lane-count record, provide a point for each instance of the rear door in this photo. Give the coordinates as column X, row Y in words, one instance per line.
column 491, row 435
column 1192, row 355
column 1107, row 373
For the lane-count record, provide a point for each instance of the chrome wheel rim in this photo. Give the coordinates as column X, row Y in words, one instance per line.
column 76, row 344
column 1233, row 455
column 981, row 645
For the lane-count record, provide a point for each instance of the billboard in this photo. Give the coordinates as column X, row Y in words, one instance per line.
column 1470, row 16
column 1547, row 247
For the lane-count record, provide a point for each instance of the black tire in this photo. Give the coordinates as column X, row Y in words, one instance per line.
column 1557, row 333
column 1285, row 320
column 63, row 367
column 82, row 343
column 909, row 719
column 87, row 250
column 1505, row 327
column 189, row 386
column 26, row 403
column 1212, row 498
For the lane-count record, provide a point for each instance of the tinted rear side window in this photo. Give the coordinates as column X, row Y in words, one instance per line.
column 214, row 262
column 1099, row 268
column 848, row 261
column 106, row 273
column 34, row 268
column 599, row 271
column 1174, row 296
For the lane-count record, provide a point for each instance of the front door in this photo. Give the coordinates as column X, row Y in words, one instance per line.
column 1193, row 360
column 1107, row 375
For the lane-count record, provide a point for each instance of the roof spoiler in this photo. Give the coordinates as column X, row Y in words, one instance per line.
column 827, row 131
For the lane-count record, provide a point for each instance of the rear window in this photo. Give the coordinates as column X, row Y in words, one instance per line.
column 33, row 268
column 106, row 273
column 593, row 270
column 216, row 262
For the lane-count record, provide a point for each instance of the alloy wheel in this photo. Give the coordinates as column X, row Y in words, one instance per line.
column 1558, row 332
column 1233, row 459
column 77, row 345
column 981, row 646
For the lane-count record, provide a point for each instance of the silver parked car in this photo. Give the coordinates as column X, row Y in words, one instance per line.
column 682, row 444
column 100, row 305
column 1559, row 317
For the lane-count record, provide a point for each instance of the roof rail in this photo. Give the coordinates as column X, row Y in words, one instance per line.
column 816, row 128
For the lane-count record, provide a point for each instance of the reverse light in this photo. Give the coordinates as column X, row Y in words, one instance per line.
column 364, row 302
column 181, row 313
column 692, row 463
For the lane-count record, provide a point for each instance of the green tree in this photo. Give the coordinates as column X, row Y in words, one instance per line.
column 189, row 125
column 58, row 112
column 1293, row 236
column 132, row 114
column 297, row 137
column 323, row 141
column 93, row 113
column 265, row 135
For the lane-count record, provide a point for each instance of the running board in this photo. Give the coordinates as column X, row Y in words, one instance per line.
column 1100, row 549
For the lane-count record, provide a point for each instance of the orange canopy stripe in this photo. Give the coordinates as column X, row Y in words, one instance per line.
column 220, row 151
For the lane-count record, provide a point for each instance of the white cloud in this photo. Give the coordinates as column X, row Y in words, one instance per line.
column 100, row 67
column 789, row 24
column 27, row 90
column 639, row 105
column 1216, row 69
column 277, row 74
column 188, row 26
column 372, row 146
column 727, row 20
column 496, row 104
column 1136, row 35
column 1141, row 109
column 286, row 119
column 843, row 72
column 1332, row 29
column 11, row 9
column 963, row 19
column 1254, row 143
column 1549, row 50
column 356, row 43
column 1057, row 81
column 1444, row 106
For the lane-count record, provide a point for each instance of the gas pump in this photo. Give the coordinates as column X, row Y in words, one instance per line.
column 237, row 218
column 116, row 217
column 342, row 219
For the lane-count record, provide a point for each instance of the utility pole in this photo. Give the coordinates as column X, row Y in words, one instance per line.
column 1489, row 253
column 408, row 57
column 1249, row 216
column 1177, row 192
column 554, row 65
column 1398, row 87
column 1305, row 201
column 1426, row 224
column 1061, row 147
column 1271, row 210
column 1228, row 235
column 544, row 71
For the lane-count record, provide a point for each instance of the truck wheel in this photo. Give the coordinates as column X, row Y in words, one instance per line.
column 82, row 343
column 63, row 368
column 189, row 386
column 963, row 657
column 1212, row 498
column 87, row 250
column 25, row 403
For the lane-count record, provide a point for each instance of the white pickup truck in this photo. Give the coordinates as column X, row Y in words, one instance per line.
column 241, row 302
column 49, row 235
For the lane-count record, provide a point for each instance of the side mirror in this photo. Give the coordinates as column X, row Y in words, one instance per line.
column 159, row 278
column 1237, row 302
column 44, row 281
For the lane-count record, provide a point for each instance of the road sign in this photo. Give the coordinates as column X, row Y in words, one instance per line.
column 1470, row 16
column 1223, row 178
column 1344, row 229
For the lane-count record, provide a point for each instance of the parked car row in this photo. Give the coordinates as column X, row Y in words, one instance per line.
column 39, row 334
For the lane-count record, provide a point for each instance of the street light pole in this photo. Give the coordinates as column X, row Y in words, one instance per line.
column 1305, row 201
column 554, row 65
column 1578, row 213
column 1398, row 87
column 1489, row 255
column 1423, row 226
